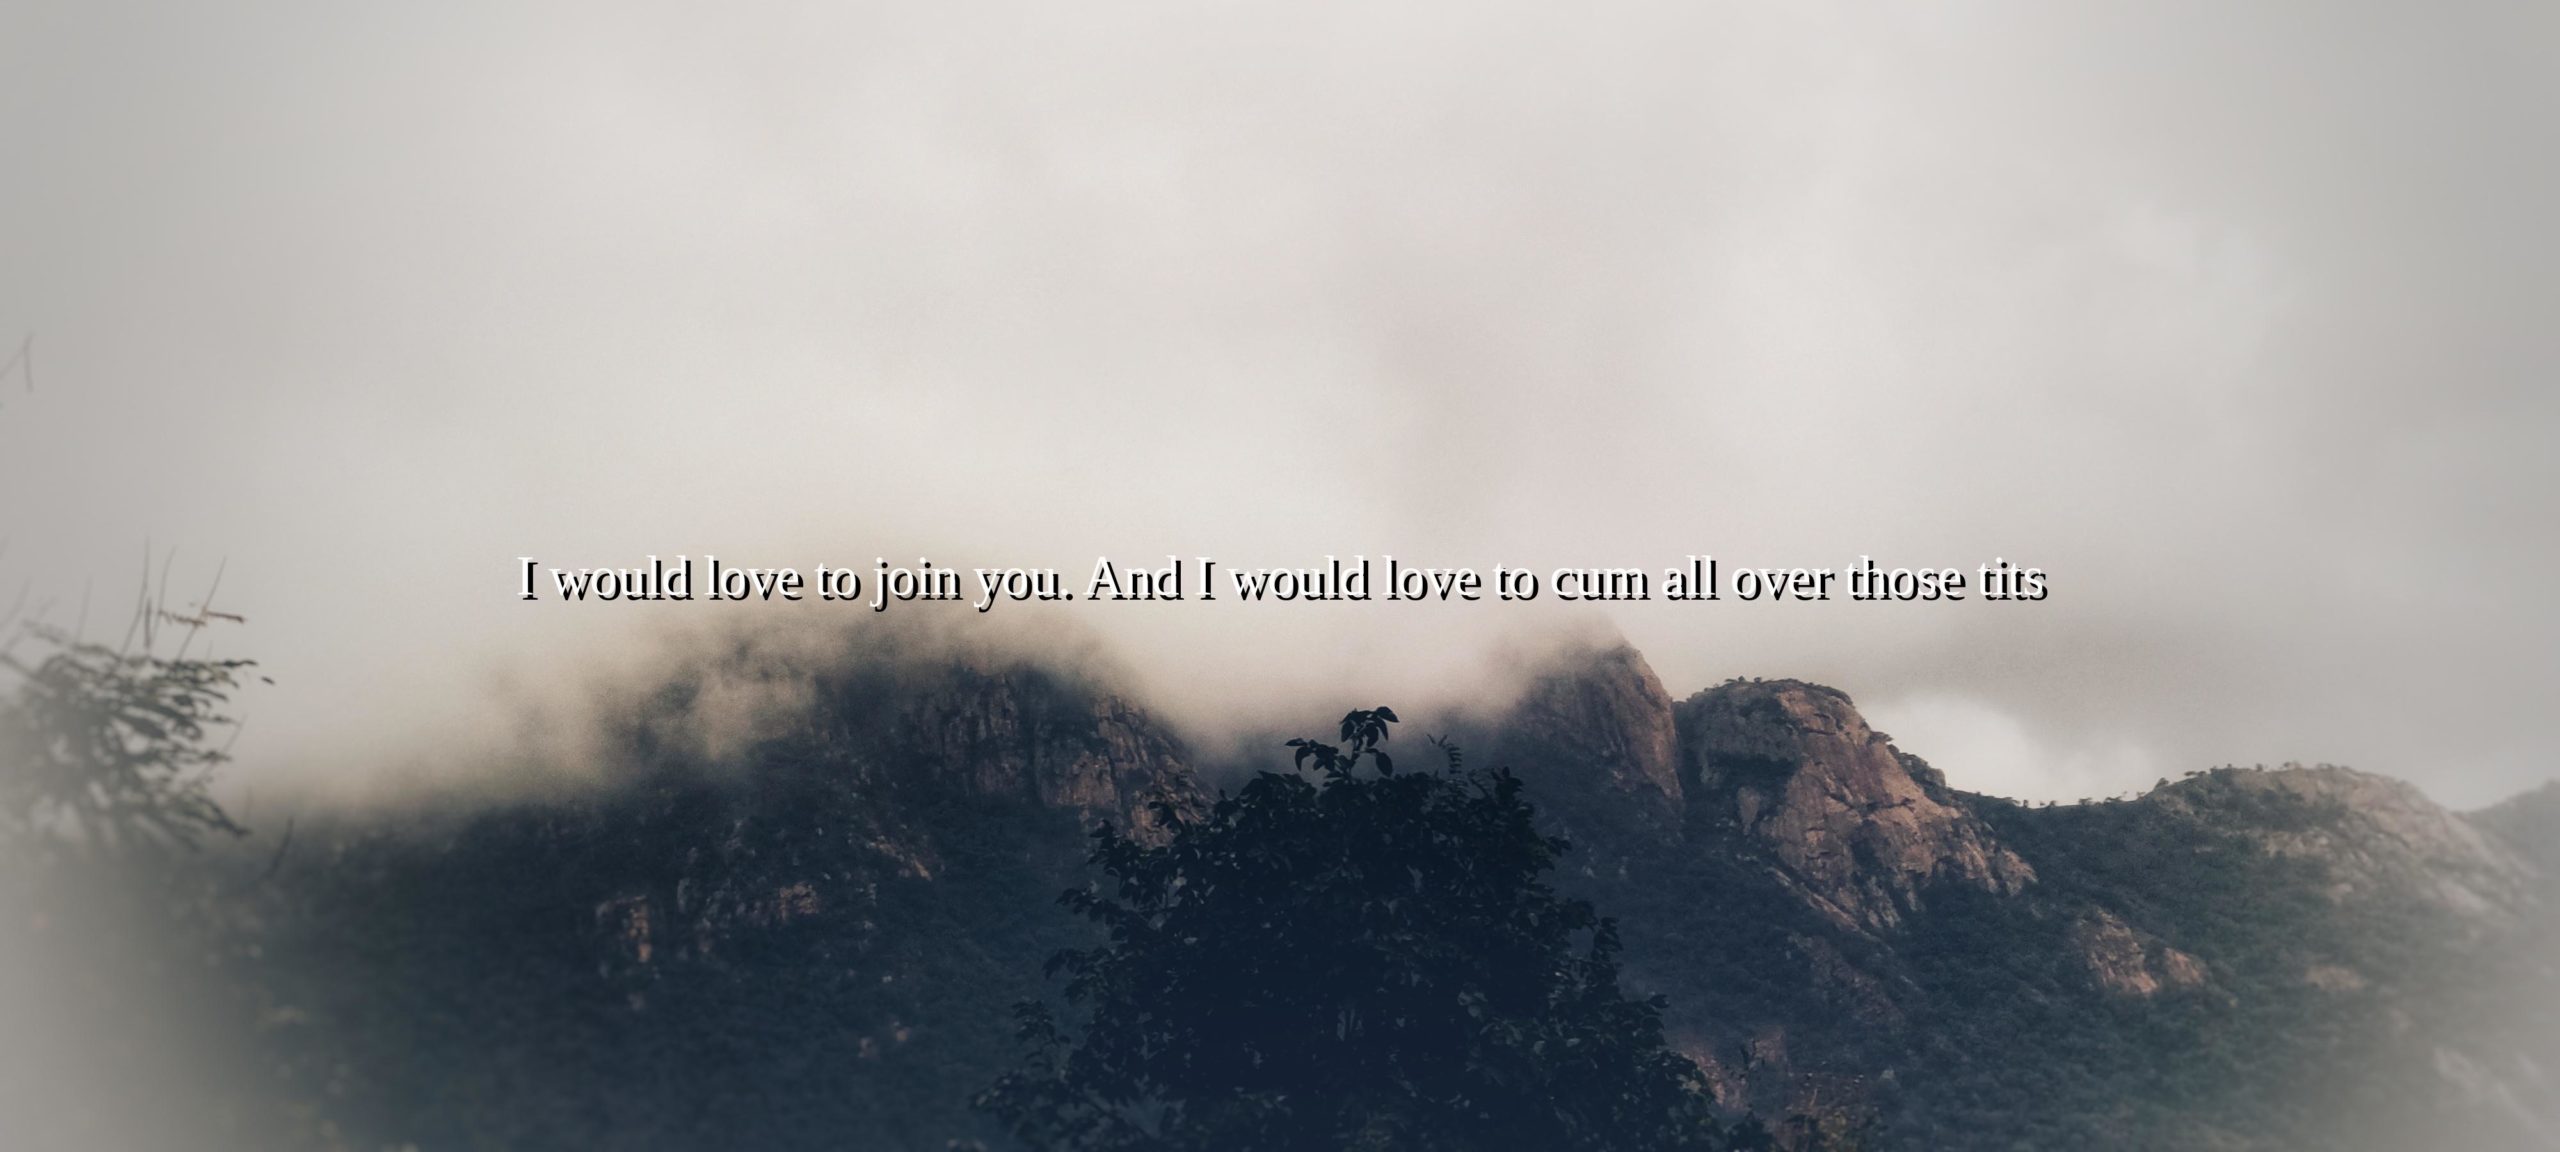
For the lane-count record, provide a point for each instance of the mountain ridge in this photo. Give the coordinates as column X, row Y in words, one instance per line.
column 828, row 918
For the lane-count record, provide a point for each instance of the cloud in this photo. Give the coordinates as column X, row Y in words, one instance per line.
column 1995, row 753
column 2226, row 319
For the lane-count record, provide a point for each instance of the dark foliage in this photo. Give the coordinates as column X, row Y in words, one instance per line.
column 1348, row 959
column 478, row 985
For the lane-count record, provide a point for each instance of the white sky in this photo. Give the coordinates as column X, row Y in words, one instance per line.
column 2236, row 319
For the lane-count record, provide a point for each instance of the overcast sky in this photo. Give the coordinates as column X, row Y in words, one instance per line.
column 2238, row 320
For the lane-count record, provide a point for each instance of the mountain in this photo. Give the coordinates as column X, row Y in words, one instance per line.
column 2297, row 958
column 807, row 931
column 811, row 941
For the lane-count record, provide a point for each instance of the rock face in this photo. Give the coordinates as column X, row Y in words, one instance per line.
column 2373, row 834
column 1857, row 828
column 2121, row 963
column 1595, row 733
column 1794, row 768
column 1019, row 734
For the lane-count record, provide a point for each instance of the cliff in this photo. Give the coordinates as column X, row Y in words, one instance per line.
column 1795, row 770
column 1594, row 733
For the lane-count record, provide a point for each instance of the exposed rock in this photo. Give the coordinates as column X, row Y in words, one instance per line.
column 1726, row 1084
column 797, row 900
column 2113, row 956
column 1021, row 733
column 2120, row 961
column 2334, row 978
column 2178, row 969
column 1794, row 767
column 627, row 925
column 1594, row 733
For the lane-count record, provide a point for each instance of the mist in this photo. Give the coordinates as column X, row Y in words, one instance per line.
column 2229, row 320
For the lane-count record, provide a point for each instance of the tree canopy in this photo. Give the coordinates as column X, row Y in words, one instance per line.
column 1346, row 956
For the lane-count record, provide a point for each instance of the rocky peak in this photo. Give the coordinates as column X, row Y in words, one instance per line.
column 884, row 770
column 2374, row 833
column 1594, row 733
column 1025, row 733
column 1794, row 769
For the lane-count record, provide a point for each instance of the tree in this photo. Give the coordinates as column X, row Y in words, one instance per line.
column 108, row 750
column 129, row 956
column 1348, row 959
